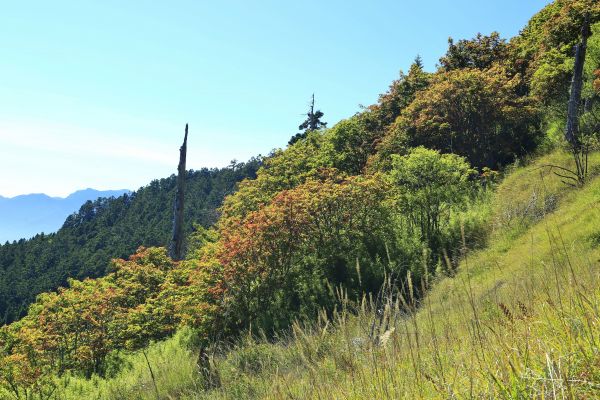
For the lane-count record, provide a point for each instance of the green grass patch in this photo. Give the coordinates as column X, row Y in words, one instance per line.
column 520, row 319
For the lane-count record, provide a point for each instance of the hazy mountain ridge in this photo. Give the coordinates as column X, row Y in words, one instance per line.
column 106, row 228
column 24, row 216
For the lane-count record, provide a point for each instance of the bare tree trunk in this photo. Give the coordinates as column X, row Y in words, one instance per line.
column 572, row 130
column 176, row 246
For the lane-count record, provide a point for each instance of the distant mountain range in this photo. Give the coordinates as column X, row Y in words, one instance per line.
column 26, row 215
column 109, row 228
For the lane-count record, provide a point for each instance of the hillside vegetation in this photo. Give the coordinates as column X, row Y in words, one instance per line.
column 105, row 229
column 436, row 244
column 517, row 319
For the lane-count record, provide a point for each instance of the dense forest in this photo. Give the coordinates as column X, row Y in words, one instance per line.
column 109, row 228
column 391, row 197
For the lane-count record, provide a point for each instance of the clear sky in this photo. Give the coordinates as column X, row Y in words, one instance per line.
column 97, row 93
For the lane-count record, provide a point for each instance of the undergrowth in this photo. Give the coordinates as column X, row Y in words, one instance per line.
column 518, row 319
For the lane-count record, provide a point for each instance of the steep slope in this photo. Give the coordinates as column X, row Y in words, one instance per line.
column 518, row 319
column 328, row 221
column 108, row 228
column 26, row 215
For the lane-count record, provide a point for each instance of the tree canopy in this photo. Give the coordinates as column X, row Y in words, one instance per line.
column 109, row 228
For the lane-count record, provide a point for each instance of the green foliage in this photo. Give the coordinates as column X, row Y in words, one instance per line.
column 86, row 329
column 76, row 328
column 537, row 335
column 283, row 260
column 544, row 50
column 312, row 123
column 556, row 26
column 173, row 363
column 352, row 144
column 400, row 94
column 480, row 52
column 430, row 187
column 322, row 231
column 590, row 117
column 106, row 229
column 550, row 81
column 476, row 114
column 281, row 171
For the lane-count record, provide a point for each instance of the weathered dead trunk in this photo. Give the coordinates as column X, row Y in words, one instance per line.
column 572, row 135
column 572, row 130
column 176, row 246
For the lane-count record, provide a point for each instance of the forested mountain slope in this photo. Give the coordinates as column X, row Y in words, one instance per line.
column 353, row 227
column 109, row 228
column 26, row 215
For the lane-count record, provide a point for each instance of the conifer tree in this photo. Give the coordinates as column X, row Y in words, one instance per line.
column 312, row 123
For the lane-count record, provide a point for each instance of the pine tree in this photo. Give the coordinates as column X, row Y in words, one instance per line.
column 312, row 123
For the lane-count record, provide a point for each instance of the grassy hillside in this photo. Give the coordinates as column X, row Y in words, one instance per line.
column 423, row 264
column 517, row 319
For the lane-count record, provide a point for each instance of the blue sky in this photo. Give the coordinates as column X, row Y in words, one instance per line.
column 96, row 94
